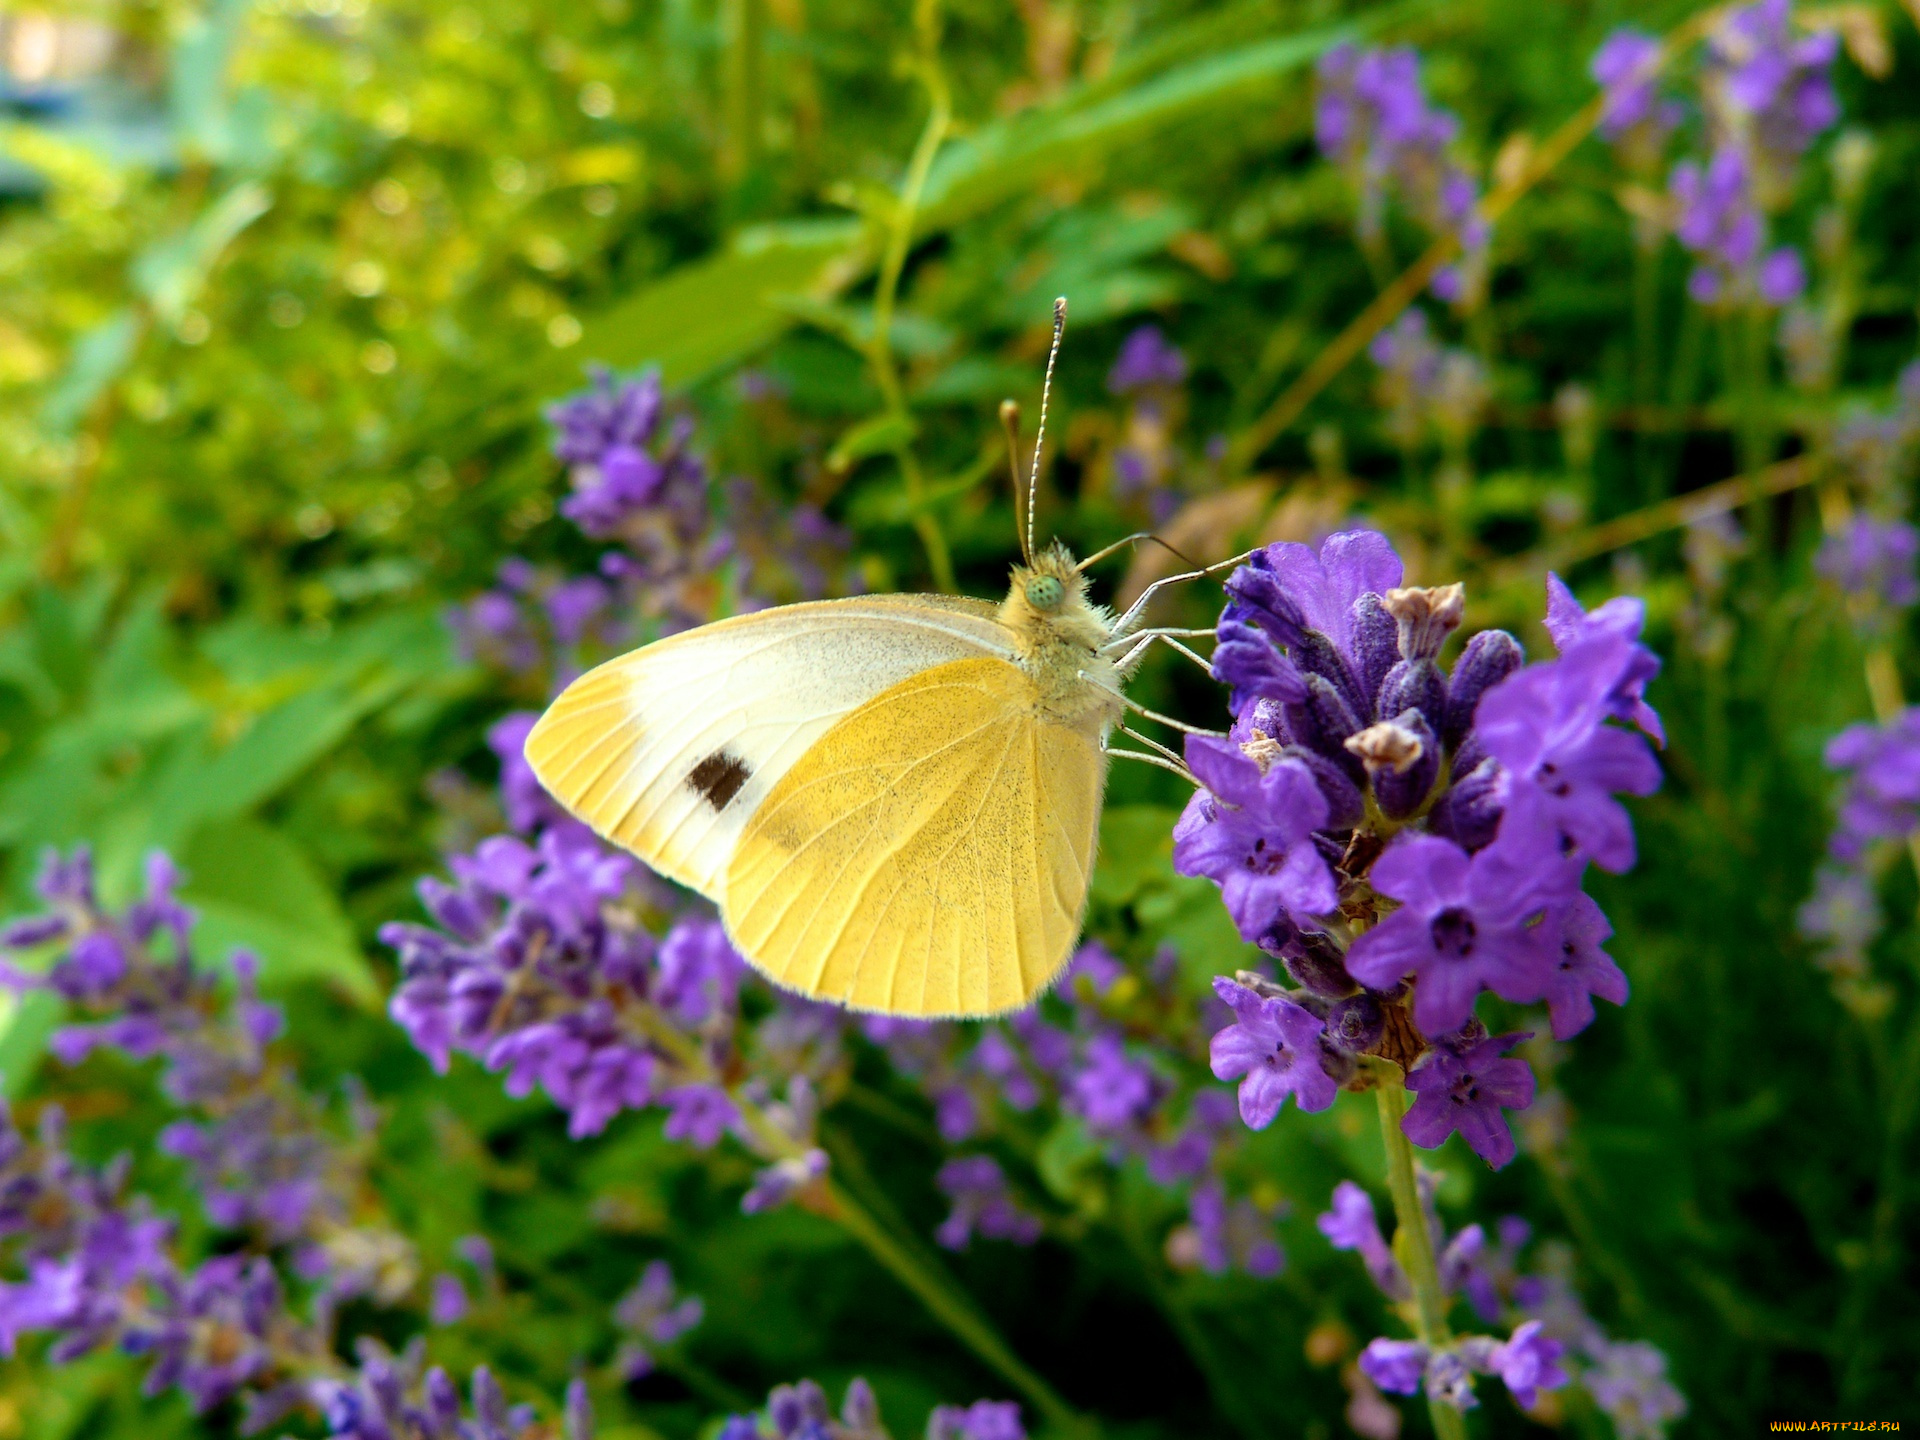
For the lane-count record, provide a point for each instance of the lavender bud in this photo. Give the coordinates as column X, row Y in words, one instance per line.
column 1401, row 790
column 1489, row 658
column 1345, row 804
column 34, row 930
column 1416, row 685
column 1375, row 647
column 1426, row 617
column 1323, row 721
column 1317, row 655
column 1317, row 963
column 1469, row 813
column 1356, row 1024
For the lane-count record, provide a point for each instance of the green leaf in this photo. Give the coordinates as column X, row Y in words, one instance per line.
column 256, row 889
column 876, row 435
column 171, row 273
column 706, row 315
column 98, row 358
column 1009, row 158
column 26, row 1021
column 1136, row 851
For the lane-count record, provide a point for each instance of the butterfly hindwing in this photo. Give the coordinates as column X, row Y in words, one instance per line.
column 668, row 750
column 929, row 854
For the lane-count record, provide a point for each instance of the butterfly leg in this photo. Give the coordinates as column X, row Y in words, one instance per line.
column 1138, row 608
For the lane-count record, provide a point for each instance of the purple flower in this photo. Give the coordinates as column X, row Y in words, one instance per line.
column 1843, row 913
column 1873, row 560
column 1396, row 1366
column 1372, row 117
column 1351, row 1225
column 1273, row 1049
column 653, row 1314
column 1146, row 360
column 1628, row 1381
column 1544, row 725
column 1620, row 618
column 1257, row 843
column 1112, row 1090
column 1466, row 923
column 699, row 1114
column 1580, row 968
column 1222, row 1235
column 982, row 1420
column 1624, row 67
column 1322, row 588
column 1527, row 1363
column 447, row 1300
column 976, row 1187
column 781, row 1181
column 1882, row 798
column 1465, row 1088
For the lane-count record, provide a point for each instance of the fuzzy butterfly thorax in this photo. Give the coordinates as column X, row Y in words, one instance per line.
column 1060, row 645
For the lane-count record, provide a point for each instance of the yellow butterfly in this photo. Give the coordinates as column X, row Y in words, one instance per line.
column 893, row 799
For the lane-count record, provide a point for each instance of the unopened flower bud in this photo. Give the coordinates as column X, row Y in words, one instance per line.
column 1345, row 803
column 1316, row 962
column 1416, row 685
column 1426, row 617
column 1469, row 813
column 1356, row 1023
column 1489, row 658
column 1323, row 721
column 1375, row 647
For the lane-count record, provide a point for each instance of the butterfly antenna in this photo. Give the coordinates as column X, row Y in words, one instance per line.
column 1046, row 393
column 1010, row 422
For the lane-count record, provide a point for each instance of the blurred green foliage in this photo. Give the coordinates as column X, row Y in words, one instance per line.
column 270, row 393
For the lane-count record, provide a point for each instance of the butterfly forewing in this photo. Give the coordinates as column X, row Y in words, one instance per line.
column 929, row 854
column 669, row 750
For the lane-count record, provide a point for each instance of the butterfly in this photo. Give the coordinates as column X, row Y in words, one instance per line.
column 893, row 800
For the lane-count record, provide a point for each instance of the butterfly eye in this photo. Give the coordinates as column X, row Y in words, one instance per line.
column 1044, row 592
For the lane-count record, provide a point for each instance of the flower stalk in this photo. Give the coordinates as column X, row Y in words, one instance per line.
column 1411, row 1240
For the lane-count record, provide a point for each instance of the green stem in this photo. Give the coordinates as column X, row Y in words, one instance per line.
column 1411, row 1239
column 893, row 261
column 952, row 1308
column 1646, row 367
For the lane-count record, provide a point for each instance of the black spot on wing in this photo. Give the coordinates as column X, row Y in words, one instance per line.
column 718, row 778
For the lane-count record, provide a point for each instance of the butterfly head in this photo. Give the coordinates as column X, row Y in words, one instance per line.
column 1048, row 602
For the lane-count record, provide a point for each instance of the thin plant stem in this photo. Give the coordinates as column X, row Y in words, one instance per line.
column 954, row 1310
column 1411, row 1240
column 893, row 262
column 1646, row 362
column 1638, row 525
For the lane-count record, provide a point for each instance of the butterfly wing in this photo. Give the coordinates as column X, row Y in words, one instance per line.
column 929, row 855
column 668, row 750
